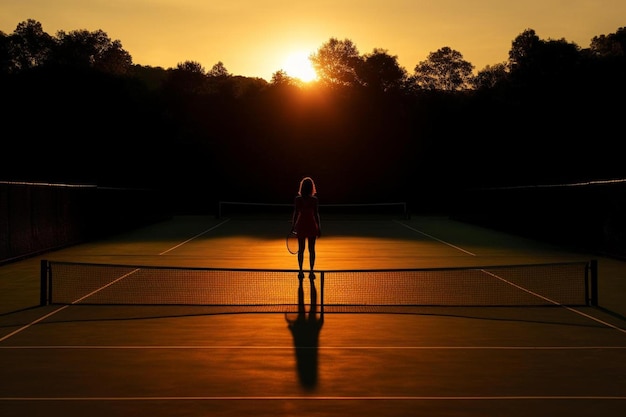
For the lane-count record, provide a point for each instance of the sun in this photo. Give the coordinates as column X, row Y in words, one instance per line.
column 298, row 65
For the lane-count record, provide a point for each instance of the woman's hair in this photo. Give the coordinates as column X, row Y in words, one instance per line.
column 307, row 187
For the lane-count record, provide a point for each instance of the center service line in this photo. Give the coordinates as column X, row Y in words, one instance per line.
column 434, row 238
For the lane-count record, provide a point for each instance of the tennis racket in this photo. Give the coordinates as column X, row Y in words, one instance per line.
column 292, row 242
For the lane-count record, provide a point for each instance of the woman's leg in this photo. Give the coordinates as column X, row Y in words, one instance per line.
column 312, row 255
column 301, row 246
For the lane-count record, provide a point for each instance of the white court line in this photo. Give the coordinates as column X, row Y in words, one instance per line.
column 330, row 398
column 434, row 238
column 196, row 236
column 573, row 310
column 2, row 339
column 290, row 347
column 32, row 323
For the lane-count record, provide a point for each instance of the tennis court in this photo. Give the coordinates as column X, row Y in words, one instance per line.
column 368, row 349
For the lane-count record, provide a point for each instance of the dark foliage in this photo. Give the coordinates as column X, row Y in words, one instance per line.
column 549, row 115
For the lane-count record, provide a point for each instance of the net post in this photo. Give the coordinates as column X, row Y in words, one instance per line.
column 593, row 282
column 43, row 287
column 322, row 290
column 218, row 212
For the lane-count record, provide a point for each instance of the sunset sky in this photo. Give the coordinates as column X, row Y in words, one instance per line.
column 256, row 38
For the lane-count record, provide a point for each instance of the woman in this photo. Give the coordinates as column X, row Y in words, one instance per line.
column 306, row 222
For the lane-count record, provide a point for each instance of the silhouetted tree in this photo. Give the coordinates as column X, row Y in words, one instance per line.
column 188, row 77
column 29, row 46
column 337, row 62
column 490, row 76
column 608, row 64
column 381, row 71
column 5, row 55
column 151, row 77
column 280, row 77
column 559, row 57
column 85, row 49
column 521, row 53
column 114, row 60
column 543, row 66
column 246, row 86
column 444, row 70
column 611, row 45
column 535, row 58
column 193, row 67
column 218, row 70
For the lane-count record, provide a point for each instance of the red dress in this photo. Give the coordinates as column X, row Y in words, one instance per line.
column 306, row 216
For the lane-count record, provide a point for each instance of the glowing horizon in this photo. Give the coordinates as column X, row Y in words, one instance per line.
column 256, row 42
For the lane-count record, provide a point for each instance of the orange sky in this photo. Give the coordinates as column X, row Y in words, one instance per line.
column 255, row 37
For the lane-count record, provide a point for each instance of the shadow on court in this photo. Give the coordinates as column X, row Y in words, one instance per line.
column 305, row 329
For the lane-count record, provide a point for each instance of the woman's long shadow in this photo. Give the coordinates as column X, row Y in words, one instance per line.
column 305, row 329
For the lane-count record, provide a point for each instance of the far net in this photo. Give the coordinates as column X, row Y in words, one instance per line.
column 365, row 211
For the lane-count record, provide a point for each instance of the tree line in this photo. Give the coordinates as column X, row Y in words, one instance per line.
column 77, row 109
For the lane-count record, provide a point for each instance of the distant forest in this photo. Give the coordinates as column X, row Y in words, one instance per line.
column 76, row 109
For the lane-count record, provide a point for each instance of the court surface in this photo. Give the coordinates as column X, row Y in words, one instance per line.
column 77, row 360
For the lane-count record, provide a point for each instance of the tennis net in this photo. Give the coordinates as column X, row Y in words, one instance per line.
column 569, row 284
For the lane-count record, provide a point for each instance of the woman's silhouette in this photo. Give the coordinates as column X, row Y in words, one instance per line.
column 306, row 223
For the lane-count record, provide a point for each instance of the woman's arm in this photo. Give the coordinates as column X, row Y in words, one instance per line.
column 294, row 216
column 317, row 218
